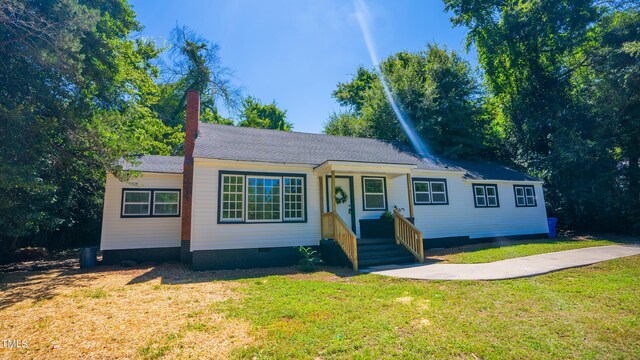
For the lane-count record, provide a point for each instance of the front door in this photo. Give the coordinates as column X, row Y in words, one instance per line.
column 344, row 199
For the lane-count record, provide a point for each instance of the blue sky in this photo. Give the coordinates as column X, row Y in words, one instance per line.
column 295, row 52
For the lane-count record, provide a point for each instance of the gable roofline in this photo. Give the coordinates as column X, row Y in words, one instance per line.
column 264, row 146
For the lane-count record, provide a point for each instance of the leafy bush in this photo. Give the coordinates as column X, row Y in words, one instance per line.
column 309, row 258
column 387, row 215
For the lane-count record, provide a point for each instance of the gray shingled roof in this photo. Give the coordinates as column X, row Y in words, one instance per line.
column 157, row 164
column 486, row 170
column 248, row 144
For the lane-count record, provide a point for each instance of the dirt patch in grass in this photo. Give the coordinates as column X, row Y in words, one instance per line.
column 163, row 311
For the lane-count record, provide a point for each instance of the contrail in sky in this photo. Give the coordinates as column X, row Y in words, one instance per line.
column 362, row 13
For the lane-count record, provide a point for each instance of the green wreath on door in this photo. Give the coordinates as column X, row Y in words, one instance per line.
column 341, row 195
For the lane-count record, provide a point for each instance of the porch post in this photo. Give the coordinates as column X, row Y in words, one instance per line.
column 410, row 189
column 333, row 191
column 321, row 195
column 333, row 203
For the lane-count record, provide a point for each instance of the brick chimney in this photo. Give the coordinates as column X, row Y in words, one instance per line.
column 193, row 116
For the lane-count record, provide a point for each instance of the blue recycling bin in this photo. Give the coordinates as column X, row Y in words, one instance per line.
column 88, row 257
column 552, row 222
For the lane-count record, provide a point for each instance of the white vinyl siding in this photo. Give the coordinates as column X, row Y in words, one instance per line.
column 209, row 234
column 141, row 232
column 462, row 218
column 374, row 193
column 136, row 203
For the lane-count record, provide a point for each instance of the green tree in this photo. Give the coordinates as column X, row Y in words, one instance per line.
column 345, row 123
column 610, row 88
column 194, row 63
column 524, row 48
column 437, row 91
column 561, row 79
column 264, row 116
column 73, row 89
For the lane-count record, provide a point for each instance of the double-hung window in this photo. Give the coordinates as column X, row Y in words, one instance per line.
column 486, row 195
column 166, row 202
column 525, row 195
column 136, row 202
column 374, row 193
column 430, row 191
column 251, row 198
column 150, row 202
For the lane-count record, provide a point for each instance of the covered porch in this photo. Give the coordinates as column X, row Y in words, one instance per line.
column 367, row 209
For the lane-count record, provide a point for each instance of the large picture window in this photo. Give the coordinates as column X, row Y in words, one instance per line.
column 257, row 197
column 486, row 195
column 525, row 195
column 430, row 191
column 263, row 199
column 150, row 203
column 374, row 193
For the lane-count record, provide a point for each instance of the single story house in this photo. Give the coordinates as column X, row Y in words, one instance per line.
column 244, row 197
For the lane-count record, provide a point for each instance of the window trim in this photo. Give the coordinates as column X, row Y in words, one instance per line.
column 151, row 192
column 524, row 189
column 485, row 186
column 429, row 180
column 244, row 174
column 384, row 193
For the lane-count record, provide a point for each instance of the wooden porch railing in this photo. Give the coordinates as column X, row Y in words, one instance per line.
column 408, row 235
column 327, row 225
column 333, row 227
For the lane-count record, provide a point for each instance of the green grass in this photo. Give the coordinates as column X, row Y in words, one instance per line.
column 589, row 312
column 483, row 253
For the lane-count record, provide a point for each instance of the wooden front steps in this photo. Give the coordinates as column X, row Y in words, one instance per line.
column 375, row 252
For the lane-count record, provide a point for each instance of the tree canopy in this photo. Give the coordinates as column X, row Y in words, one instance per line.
column 265, row 116
column 79, row 92
column 435, row 88
column 562, row 80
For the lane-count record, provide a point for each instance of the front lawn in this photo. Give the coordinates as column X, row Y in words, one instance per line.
column 168, row 311
column 508, row 249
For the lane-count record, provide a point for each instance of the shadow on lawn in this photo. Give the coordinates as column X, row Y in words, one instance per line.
column 175, row 274
column 40, row 285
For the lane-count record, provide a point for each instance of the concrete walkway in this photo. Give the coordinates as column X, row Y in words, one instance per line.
column 511, row 268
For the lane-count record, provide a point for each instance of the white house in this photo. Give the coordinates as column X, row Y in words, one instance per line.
column 244, row 197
